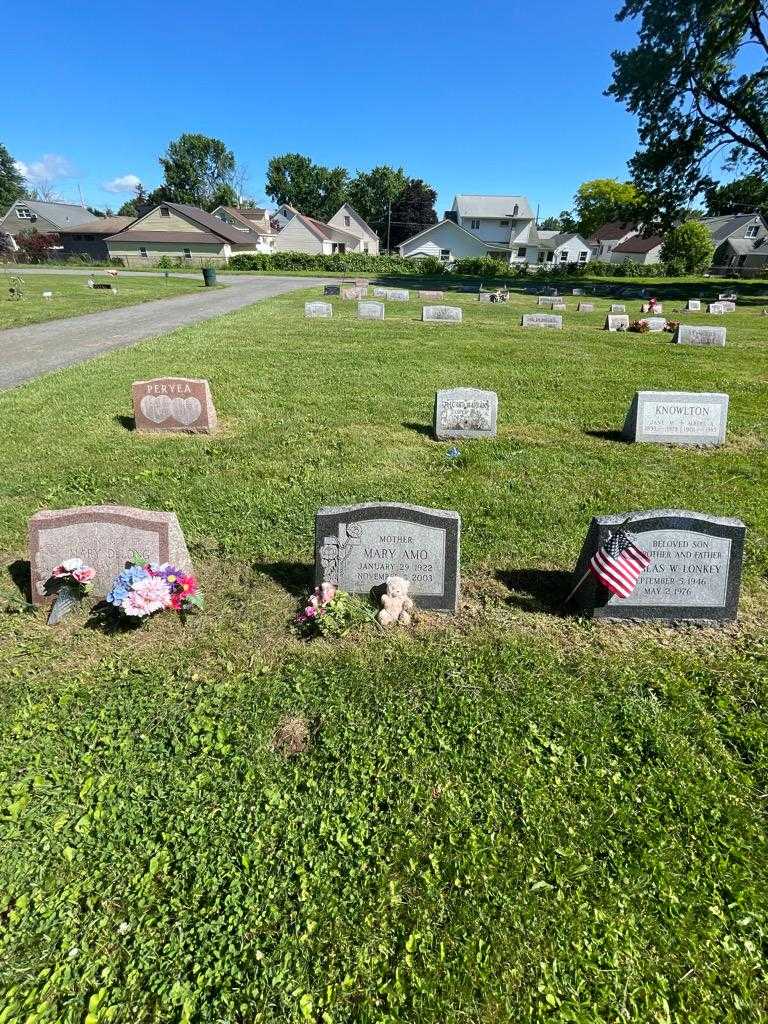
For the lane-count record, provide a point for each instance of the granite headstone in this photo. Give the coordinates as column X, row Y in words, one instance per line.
column 617, row 322
column 465, row 412
column 318, row 309
column 541, row 320
column 585, row 307
column 331, row 289
column 370, row 310
column 693, row 334
column 444, row 314
column 677, row 417
column 179, row 405
column 694, row 306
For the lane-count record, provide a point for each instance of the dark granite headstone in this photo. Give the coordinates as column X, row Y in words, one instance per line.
column 332, row 289
column 694, row 575
column 359, row 546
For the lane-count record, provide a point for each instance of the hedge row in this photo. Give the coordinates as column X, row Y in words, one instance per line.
column 347, row 262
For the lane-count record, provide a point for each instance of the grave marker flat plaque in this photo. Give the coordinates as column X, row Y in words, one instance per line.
column 358, row 546
column 693, row 334
column 446, row 314
column 465, row 412
column 179, row 405
column 695, row 571
column 677, row 417
column 541, row 320
column 318, row 309
column 370, row 310
column 105, row 537
column 331, row 289
column 617, row 322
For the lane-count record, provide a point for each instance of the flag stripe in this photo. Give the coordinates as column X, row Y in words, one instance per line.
column 618, row 564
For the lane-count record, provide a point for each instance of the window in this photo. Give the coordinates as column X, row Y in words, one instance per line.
column 541, row 256
column 564, row 256
column 752, row 231
column 550, row 257
column 503, row 223
column 187, row 254
column 347, row 222
column 365, row 247
column 521, row 252
column 143, row 252
column 164, row 211
column 445, row 255
column 583, row 256
column 515, row 210
column 23, row 213
column 474, row 225
column 741, row 261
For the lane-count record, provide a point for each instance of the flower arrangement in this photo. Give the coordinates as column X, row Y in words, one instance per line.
column 671, row 326
column 639, row 326
column 142, row 589
column 69, row 582
column 330, row 612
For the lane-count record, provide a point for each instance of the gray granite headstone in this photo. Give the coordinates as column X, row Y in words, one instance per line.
column 485, row 296
column 577, row 291
column 541, row 320
column 728, row 307
column 648, row 308
column 104, row 537
column 677, row 417
column 358, row 546
column 617, row 307
column 331, row 289
column 354, row 291
column 370, row 310
column 557, row 305
column 585, row 307
column 716, row 308
column 318, row 309
column 656, row 323
column 695, row 572
column 465, row 412
column 728, row 297
column 398, row 294
column 445, row 314
column 694, row 306
column 617, row 322
column 544, row 300
column 380, row 293
column 693, row 334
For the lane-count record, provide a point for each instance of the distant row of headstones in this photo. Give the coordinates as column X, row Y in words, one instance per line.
column 370, row 309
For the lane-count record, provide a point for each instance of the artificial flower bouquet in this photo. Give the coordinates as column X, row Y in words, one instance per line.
column 69, row 583
column 144, row 588
column 330, row 612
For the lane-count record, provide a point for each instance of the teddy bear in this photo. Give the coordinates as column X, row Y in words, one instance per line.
column 395, row 603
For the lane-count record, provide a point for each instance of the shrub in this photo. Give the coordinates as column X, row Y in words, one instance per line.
column 164, row 263
column 340, row 263
column 690, row 247
column 35, row 246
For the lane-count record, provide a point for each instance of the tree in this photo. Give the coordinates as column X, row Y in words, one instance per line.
column 11, row 181
column 412, row 211
column 372, row 192
column 141, row 203
column 745, row 195
column 681, row 82
column 689, row 246
column 311, row 188
column 567, row 221
column 603, row 200
column 35, row 245
column 551, row 224
column 199, row 170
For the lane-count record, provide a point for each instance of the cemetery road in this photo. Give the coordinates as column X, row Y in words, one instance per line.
column 29, row 352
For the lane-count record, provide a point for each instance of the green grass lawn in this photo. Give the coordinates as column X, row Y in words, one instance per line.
column 510, row 816
column 72, row 296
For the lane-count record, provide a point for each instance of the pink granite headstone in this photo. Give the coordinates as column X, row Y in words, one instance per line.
column 105, row 537
column 175, row 404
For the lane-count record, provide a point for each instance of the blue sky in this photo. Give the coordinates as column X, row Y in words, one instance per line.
column 491, row 97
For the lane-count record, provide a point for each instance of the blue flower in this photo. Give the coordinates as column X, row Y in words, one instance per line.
column 123, row 583
column 453, row 453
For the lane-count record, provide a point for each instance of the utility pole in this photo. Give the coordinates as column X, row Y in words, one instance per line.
column 389, row 221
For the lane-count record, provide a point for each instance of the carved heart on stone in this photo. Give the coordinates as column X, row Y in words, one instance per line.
column 156, row 407
column 186, row 410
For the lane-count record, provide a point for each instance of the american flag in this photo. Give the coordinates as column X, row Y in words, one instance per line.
column 619, row 563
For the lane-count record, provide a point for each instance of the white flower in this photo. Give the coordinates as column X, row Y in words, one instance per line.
column 73, row 954
column 72, row 563
column 123, row 928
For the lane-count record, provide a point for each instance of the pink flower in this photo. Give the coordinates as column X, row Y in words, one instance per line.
column 146, row 596
column 310, row 612
column 84, row 575
column 327, row 592
column 67, row 568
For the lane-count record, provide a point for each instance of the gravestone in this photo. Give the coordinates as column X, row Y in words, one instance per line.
column 677, row 417
column 105, row 537
column 585, row 307
column 354, row 292
column 484, row 296
column 617, row 307
column 617, row 322
column 694, row 306
column 648, row 308
column 446, row 314
column 178, row 405
column 398, row 294
column 358, row 546
column 104, row 286
column 541, row 320
column 318, row 309
column 370, row 310
column 728, row 307
column 577, row 291
column 716, row 308
column 380, row 293
column 694, row 575
column 431, row 295
column 47, row 295
column 465, row 412
column 544, row 300
column 331, row 289
column 656, row 323
column 690, row 334
column 728, row 297
column 557, row 305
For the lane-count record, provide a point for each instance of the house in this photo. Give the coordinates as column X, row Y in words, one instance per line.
column 740, row 240
column 500, row 226
column 90, row 237
column 346, row 231
column 180, row 232
column 255, row 219
column 45, row 218
column 637, row 249
column 283, row 214
column 605, row 239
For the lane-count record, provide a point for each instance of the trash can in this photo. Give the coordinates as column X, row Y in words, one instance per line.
column 209, row 276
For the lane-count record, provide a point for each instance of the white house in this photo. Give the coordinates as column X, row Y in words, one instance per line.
column 250, row 221
column 283, row 214
column 346, row 231
column 637, row 249
column 499, row 226
column 348, row 219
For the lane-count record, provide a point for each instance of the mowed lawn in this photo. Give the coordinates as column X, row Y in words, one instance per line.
column 73, row 297
column 513, row 815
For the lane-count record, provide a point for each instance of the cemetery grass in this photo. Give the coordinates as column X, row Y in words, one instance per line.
column 72, row 297
column 513, row 816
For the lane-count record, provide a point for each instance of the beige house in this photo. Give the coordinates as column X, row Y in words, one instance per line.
column 180, row 232
column 346, row 231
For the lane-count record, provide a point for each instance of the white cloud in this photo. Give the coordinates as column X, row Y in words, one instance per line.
column 126, row 183
column 51, row 167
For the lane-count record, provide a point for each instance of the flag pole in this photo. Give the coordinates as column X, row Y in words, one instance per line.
column 579, row 584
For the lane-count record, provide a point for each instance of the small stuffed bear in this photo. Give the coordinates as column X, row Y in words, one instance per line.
column 395, row 603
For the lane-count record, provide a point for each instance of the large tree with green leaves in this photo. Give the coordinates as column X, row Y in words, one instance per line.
column 688, row 246
column 693, row 84
column 199, row 170
column 372, row 193
column 12, row 185
column 311, row 188
column 603, row 200
column 744, row 195
column 412, row 211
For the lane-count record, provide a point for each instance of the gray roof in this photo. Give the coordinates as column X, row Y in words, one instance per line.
column 745, row 246
column 63, row 215
column 721, row 227
column 500, row 207
column 553, row 239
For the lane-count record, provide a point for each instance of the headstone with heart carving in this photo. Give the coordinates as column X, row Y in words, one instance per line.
column 173, row 404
